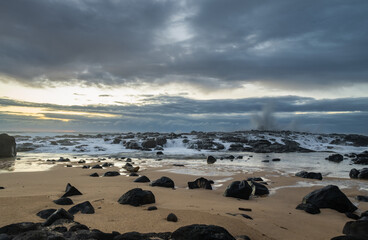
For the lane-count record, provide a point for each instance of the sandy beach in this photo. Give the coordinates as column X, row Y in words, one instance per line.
column 274, row 216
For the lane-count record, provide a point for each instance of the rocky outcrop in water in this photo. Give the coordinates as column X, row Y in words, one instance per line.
column 7, row 146
column 359, row 174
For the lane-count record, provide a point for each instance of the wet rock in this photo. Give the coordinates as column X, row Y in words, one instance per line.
column 239, row 189
column 352, row 215
column 111, row 174
column 58, row 214
column 335, row 158
column 107, row 165
column 77, row 227
column 310, row 175
column 200, row 183
column 2, row 188
column 361, row 198
column 150, row 143
column 163, row 182
column 266, row 161
column 71, row 191
column 201, row 232
column 330, row 197
column 94, row 175
column 86, row 166
column 133, row 174
column 84, row 207
column 356, row 229
column 354, row 173
column 276, row 160
column 360, row 174
column 142, row 179
column 63, row 201
column 172, row 218
column 259, row 189
column 61, row 159
column 17, row 228
column 7, row 146
column 60, row 229
column 116, row 140
column 236, row 147
column 211, row 160
column 309, row 208
column 81, row 161
column 44, row 214
column 161, row 141
column 256, row 179
column 129, row 167
column 152, row 208
column 133, row 145
column 143, row 236
column 361, row 158
column 137, row 197
column 159, row 153
column 96, row 167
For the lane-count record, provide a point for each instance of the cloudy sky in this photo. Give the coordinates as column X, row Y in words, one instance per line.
column 182, row 65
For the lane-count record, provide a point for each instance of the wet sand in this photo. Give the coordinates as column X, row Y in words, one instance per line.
column 274, row 216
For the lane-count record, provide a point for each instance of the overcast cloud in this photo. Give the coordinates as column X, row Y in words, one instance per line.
column 284, row 44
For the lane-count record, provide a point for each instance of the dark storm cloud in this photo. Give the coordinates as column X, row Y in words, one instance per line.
column 164, row 113
column 286, row 44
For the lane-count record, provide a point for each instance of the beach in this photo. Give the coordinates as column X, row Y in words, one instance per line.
column 273, row 216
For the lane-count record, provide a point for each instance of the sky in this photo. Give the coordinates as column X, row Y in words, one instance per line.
column 183, row 65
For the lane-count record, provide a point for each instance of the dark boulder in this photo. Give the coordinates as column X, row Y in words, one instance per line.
column 58, row 214
column 84, row 207
column 335, row 158
column 96, row 167
column 63, row 201
column 161, row 141
column 276, row 160
column 200, row 183
column 44, row 214
column 7, row 146
column 330, row 197
column 159, row 153
column 94, row 175
column 259, row 189
column 363, row 173
column 137, row 197
column 354, row 173
column 352, row 215
column 77, row 227
column 239, row 189
column 163, row 182
column 71, row 191
column 111, row 174
column 361, row 198
column 201, row 232
column 361, row 158
column 309, row 208
column 150, row 143
column 310, row 175
column 356, row 229
column 18, row 228
column 142, row 179
column 211, row 159
column 133, row 174
column 152, row 208
column 172, row 218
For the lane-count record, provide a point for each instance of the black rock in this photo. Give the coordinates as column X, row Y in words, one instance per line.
column 94, row 175
column 96, row 167
column 86, row 166
column 7, row 146
column 60, row 229
column 71, row 191
column 81, row 161
column 260, row 189
column 201, row 232
column 200, row 183
column 311, row 175
column 335, row 158
column 361, row 158
column 276, row 160
column 137, row 197
column 111, row 174
column 356, row 229
column 159, row 153
column 17, row 228
column 133, row 174
column 152, row 208
column 172, row 218
column 211, row 160
column 4, row 236
column 77, row 227
column 44, row 214
column 330, row 197
column 163, row 182
column 63, row 201
column 58, row 214
column 363, row 173
column 309, row 208
column 142, row 179
column 107, row 165
column 239, row 189
column 84, row 207
column 354, row 173
column 143, row 236
column 265, row 161
column 347, row 238
column 352, row 215
column 2, row 188
column 361, row 198
column 256, row 179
